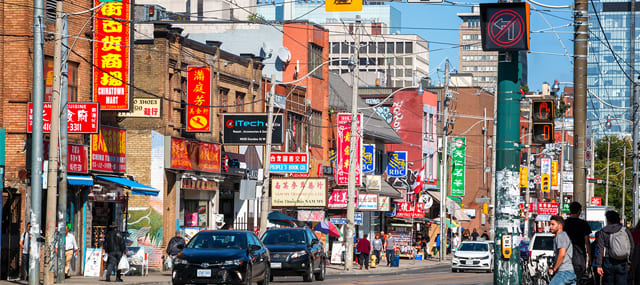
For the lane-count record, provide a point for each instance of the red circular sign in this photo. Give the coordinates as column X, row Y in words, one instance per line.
column 506, row 28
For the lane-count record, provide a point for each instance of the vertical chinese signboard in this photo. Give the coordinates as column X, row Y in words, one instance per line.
column 458, row 158
column 111, row 55
column 198, row 99
column 108, row 150
column 344, row 144
column 554, row 173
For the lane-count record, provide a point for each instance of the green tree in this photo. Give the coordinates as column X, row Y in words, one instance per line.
column 616, row 157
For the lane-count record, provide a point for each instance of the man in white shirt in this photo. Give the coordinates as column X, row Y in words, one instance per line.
column 456, row 240
column 71, row 247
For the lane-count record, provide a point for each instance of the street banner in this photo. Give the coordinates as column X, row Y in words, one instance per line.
column 524, row 177
column 109, row 150
column 367, row 202
column 397, row 164
column 289, row 162
column 407, row 210
column 338, row 199
column 343, row 146
column 198, row 110
column 193, row 155
column 111, row 54
column 458, row 161
column 299, row 192
column 82, row 118
column 368, row 158
column 554, row 173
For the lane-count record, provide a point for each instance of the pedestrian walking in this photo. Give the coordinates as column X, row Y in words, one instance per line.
column 71, row 248
column 562, row 269
column 25, row 240
column 364, row 247
column 115, row 248
column 616, row 245
column 377, row 247
column 173, row 248
column 578, row 231
column 390, row 247
column 475, row 234
column 456, row 240
column 436, row 249
column 485, row 235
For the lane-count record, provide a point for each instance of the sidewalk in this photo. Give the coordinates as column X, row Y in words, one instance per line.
column 160, row 278
column 382, row 268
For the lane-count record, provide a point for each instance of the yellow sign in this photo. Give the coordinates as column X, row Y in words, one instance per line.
column 343, row 5
column 546, row 183
column 485, row 208
column 299, row 192
column 524, row 177
column 144, row 108
column 554, row 173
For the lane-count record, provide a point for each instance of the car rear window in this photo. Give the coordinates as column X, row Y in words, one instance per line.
column 543, row 243
column 279, row 237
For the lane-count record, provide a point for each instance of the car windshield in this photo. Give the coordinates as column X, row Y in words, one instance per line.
column 543, row 243
column 279, row 237
column 205, row 240
column 473, row 247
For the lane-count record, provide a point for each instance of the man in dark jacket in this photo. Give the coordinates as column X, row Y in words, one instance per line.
column 173, row 247
column 114, row 245
column 614, row 270
column 578, row 231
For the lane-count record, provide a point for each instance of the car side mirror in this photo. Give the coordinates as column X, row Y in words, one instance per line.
column 180, row 246
column 254, row 247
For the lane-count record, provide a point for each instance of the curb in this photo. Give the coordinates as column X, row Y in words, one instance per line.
column 406, row 270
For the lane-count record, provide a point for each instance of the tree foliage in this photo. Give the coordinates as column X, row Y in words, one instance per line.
column 616, row 163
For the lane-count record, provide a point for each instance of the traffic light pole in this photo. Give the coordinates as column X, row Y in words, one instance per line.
column 507, row 223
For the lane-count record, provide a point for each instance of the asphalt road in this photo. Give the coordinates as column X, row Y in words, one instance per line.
column 433, row 276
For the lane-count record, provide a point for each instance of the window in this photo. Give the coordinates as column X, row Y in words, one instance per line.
column 390, row 47
column 408, row 47
column 408, row 61
column 335, row 47
column 344, row 47
column 376, row 28
column 224, row 92
column 362, row 61
column 72, row 78
column 408, row 72
column 73, row 82
column 316, row 129
column 381, row 61
column 294, row 131
column 239, row 101
column 315, row 60
column 195, row 212
column 400, row 47
column 363, row 47
column 372, row 47
column 381, row 47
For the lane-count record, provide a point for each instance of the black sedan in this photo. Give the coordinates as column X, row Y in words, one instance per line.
column 222, row 257
column 295, row 251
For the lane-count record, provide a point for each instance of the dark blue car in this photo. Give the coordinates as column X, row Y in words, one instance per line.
column 296, row 251
column 222, row 257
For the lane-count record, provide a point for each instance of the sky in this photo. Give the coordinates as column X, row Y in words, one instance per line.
column 548, row 59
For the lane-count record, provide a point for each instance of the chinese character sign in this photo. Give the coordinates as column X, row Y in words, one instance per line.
column 554, row 173
column 458, row 160
column 397, row 164
column 343, row 149
column 299, row 192
column 199, row 99
column 111, row 55
column 108, row 150
column 368, row 158
column 82, row 118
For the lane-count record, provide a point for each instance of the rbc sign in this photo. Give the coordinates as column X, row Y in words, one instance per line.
column 397, row 164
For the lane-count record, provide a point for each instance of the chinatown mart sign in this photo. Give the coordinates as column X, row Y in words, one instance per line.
column 109, row 150
column 343, row 147
column 198, row 99
column 458, row 158
column 299, row 192
column 111, row 54
column 192, row 155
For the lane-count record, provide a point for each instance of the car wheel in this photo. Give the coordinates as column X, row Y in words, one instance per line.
column 267, row 277
column 308, row 275
column 323, row 271
column 453, row 270
column 177, row 283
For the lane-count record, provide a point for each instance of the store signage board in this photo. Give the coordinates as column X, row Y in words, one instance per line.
column 289, row 162
column 596, row 201
column 111, row 55
column 548, row 208
column 545, row 165
column 251, row 129
column 92, row 262
column 77, row 157
column 367, row 202
column 554, row 173
column 397, row 164
column 108, row 150
column 504, row 26
column 368, row 158
column 193, row 155
column 407, row 210
column 338, row 199
column 82, row 118
column 384, row 204
column 198, row 109
column 458, row 161
column 343, row 147
column 343, row 221
column 373, row 182
column 299, row 192
column 310, row 216
column 144, row 108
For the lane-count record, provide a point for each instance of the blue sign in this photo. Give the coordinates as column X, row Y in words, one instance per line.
column 343, row 221
column 289, row 167
column 397, row 164
column 368, row 158
column 358, row 218
column 289, row 162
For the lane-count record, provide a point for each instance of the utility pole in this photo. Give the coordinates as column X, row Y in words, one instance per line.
column 351, row 189
column 561, row 161
column 62, row 196
column 508, row 270
column 36, row 141
column 527, row 195
column 266, row 161
column 581, row 41
column 606, row 186
column 52, row 174
column 634, row 105
column 624, row 181
column 444, row 188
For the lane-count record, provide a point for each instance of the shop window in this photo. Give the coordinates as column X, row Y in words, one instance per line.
column 195, row 213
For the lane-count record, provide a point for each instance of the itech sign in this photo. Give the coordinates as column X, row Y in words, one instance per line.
column 251, row 129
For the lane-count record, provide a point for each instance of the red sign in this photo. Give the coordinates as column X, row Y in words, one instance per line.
column 596, row 201
column 82, row 118
column 548, row 208
column 195, row 155
column 343, row 149
column 109, row 150
column 77, row 157
column 338, row 199
column 406, row 210
column 111, row 55
column 198, row 99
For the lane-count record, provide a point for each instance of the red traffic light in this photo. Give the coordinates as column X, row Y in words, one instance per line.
column 543, row 110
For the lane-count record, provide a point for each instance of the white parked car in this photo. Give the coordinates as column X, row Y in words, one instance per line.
column 541, row 246
column 472, row 255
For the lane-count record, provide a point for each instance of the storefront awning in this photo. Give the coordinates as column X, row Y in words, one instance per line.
column 387, row 190
column 136, row 188
column 79, row 180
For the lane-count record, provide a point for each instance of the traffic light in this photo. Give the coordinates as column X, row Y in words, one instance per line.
column 542, row 117
column 546, row 183
column 343, row 5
